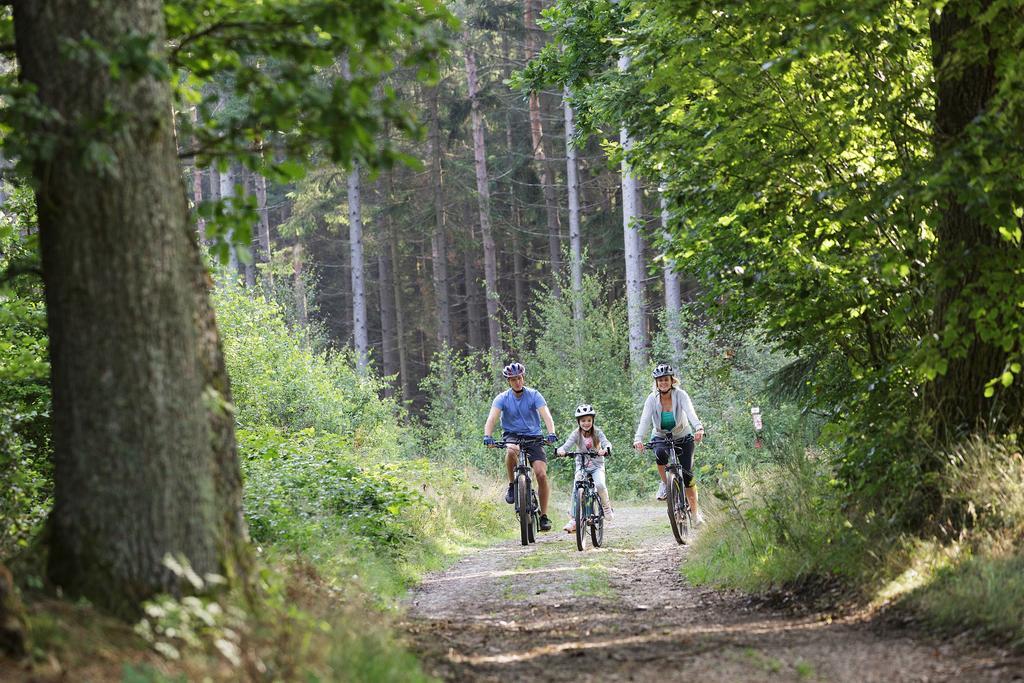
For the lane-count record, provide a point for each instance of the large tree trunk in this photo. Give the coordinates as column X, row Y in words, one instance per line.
column 672, row 299
column 484, row 202
column 355, row 241
column 144, row 445
column 545, row 167
column 965, row 82
column 635, row 308
column 438, row 241
column 575, row 240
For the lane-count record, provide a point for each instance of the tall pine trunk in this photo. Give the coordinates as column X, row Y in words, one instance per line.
column 438, row 240
column 403, row 361
column 635, row 308
column 144, row 446
column 575, row 240
column 545, row 167
column 197, row 185
column 484, row 201
column 632, row 247
column 266, row 249
column 672, row 300
column 355, row 241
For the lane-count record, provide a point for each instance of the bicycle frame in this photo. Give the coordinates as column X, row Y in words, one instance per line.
column 679, row 512
column 588, row 512
column 527, row 507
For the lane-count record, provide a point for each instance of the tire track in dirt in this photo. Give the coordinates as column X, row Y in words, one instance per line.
column 624, row 613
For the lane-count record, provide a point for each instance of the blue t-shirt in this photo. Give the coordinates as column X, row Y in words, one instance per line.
column 519, row 415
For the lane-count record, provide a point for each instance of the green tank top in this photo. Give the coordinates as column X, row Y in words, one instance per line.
column 668, row 420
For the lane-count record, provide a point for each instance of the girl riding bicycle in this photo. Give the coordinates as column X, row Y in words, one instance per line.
column 668, row 414
column 587, row 437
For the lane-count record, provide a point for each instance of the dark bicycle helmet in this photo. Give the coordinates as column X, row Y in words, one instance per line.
column 585, row 409
column 513, row 369
column 663, row 370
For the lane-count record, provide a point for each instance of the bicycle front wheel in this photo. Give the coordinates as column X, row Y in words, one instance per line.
column 597, row 522
column 678, row 510
column 524, row 507
column 581, row 520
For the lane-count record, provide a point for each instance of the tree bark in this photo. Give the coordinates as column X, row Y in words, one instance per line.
column 965, row 82
column 484, row 202
column 635, row 307
column 355, row 240
column 540, row 156
column 575, row 240
column 438, row 242
column 144, row 447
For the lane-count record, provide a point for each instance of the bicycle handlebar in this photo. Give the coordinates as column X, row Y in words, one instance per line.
column 650, row 445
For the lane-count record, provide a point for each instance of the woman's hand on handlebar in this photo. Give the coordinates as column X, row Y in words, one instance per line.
column 638, row 446
column 559, row 451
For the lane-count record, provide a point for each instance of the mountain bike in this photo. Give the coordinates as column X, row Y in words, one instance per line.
column 679, row 513
column 588, row 510
column 527, row 506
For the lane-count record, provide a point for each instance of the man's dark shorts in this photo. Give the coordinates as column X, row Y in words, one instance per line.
column 534, row 450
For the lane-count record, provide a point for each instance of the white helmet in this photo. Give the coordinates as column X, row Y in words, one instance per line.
column 585, row 409
column 663, row 370
column 513, row 370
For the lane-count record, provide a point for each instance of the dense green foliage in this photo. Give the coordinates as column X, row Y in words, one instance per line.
column 24, row 380
column 796, row 146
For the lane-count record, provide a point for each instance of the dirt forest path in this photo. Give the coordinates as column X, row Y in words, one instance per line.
column 624, row 613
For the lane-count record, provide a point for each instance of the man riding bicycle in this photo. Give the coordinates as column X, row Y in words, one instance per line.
column 521, row 410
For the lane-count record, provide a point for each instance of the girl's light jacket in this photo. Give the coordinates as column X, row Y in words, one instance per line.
column 575, row 444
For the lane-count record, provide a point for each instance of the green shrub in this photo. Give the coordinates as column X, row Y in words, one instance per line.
column 24, row 379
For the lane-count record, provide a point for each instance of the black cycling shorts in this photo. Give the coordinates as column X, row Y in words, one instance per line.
column 534, row 450
column 662, row 448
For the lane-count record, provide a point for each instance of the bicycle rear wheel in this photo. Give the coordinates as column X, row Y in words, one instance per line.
column 597, row 523
column 524, row 507
column 678, row 511
column 581, row 520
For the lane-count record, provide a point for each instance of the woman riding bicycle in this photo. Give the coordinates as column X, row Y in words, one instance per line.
column 587, row 437
column 669, row 416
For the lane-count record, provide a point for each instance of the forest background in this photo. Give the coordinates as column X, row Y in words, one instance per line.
column 809, row 209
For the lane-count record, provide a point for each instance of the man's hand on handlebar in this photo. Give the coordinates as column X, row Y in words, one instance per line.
column 552, row 438
column 489, row 441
